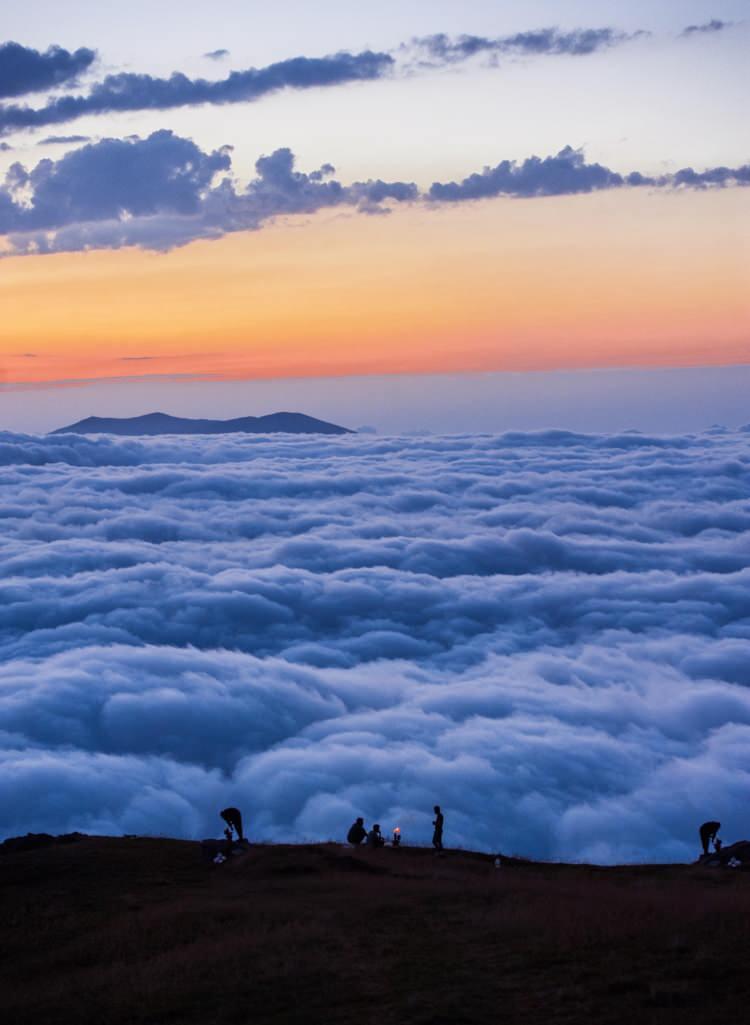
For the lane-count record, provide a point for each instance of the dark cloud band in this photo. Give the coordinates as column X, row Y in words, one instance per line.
column 127, row 91
column 164, row 191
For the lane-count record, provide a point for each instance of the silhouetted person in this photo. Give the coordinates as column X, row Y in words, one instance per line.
column 357, row 833
column 233, row 819
column 375, row 837
column 437, row 836
column 708, row 833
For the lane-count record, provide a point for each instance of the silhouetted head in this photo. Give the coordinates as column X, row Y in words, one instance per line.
column 436, row 809
column 376, row 827
column 360, row 821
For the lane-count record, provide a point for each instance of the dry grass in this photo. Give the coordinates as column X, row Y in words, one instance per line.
column 142, row 931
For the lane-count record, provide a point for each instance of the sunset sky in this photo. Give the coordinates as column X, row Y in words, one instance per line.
column 142, row 244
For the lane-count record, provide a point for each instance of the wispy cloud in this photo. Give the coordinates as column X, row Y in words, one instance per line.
column 715, row 25
column 63, row 140
column 443, row 49
column 216, row 55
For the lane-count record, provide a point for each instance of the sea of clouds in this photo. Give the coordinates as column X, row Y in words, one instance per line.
column 547, row 633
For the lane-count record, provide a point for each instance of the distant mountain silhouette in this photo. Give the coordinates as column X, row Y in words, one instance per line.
column 162, row 423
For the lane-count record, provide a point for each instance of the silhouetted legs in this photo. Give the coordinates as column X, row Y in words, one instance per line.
column 708, row 833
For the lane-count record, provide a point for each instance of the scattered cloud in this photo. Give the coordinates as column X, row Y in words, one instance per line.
column 547, row 633
column 5, row 147
column 714, row 25
column 25, row 70
column 127, row 91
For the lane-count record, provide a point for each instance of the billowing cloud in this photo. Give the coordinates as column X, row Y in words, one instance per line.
column 547, row 633
column 443, row 49
column 164, row 191
column 127, row 91
column 25, row 70
column 714, row 25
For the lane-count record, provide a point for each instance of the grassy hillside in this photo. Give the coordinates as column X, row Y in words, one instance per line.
column 130, row 931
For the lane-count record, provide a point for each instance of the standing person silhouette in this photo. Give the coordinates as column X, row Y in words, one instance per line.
column 437, row 836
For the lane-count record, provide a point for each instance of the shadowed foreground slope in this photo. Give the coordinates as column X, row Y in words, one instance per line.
column 143, row 931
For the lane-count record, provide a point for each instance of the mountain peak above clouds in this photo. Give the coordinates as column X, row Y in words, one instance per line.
column 163, row 423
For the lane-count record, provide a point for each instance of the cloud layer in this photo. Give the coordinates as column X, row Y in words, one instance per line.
column 164, row 191
column 547, row 633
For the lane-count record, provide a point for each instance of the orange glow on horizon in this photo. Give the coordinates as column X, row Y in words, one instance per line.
column 622, row 278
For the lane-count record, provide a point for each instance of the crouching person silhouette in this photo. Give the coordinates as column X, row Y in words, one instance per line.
column 357, row 833
column 233, row 819
column 708, row 833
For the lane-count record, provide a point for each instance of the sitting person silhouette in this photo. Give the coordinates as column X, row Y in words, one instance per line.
column 233, row 819
column 375, row 837
column 357, row 832
column 708, row 833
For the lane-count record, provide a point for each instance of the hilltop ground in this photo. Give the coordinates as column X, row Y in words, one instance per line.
column 143, row 931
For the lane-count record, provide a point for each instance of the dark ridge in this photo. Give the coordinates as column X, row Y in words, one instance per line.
column 161, row 423
column 146, row 931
